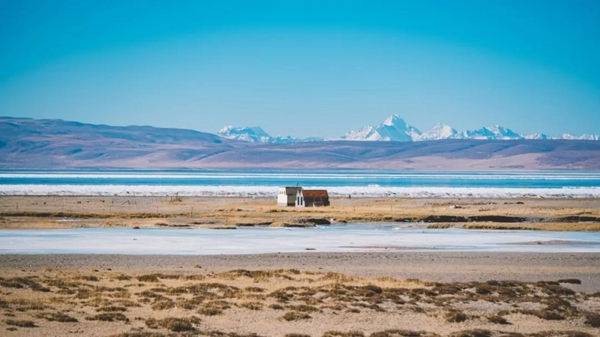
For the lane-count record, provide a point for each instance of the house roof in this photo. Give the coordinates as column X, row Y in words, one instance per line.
column 315, row 193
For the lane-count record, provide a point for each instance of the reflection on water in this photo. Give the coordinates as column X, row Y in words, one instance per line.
column 337, row 238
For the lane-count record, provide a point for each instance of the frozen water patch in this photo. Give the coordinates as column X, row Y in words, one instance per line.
column 339, row 238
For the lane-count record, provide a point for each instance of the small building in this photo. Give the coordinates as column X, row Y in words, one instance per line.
column 287, row 196
column 312, row 198
column 299, row 197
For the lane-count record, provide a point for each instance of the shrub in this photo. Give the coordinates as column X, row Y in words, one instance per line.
column 174, row 324
column 498, row 320
column 252, row 305
column 21, row 324
column 472, row 333
column 593, row 319
column 373, row 288
column 549, row 315
column 455, row 316
column 109, row 317
column 343, row 334
column 276, row 307
column 295, row 316
column 112, row 308
column 403, row 333
column 57, row 317
column 570, row 280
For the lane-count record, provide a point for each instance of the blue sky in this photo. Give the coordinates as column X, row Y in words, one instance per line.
column 304, row 68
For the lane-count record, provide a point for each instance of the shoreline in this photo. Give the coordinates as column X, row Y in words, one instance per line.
column 48, row 212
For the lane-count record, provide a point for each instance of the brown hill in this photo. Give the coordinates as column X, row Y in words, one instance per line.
column 51, row 144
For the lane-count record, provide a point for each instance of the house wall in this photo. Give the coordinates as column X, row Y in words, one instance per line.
column 283, row 198
column 299, row 200
column 310, row 202
column 287, row 196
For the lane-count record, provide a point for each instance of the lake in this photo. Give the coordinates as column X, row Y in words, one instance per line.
column 582, row 184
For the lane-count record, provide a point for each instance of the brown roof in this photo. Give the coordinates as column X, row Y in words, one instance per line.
column 315, row 193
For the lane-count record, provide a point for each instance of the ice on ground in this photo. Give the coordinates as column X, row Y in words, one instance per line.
column 339, row 238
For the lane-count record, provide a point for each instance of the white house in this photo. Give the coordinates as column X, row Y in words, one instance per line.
column 287, row 196
column 299, row 197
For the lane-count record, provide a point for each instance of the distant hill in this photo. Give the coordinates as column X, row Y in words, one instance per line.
column 44, row 143
column 57, row 144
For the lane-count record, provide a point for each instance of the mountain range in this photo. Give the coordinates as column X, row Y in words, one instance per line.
column 56, row 144
column 396, row 129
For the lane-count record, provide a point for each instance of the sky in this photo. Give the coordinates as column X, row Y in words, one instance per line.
column 304, row 68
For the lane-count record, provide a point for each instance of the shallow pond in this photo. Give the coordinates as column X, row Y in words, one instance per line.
column 255, row 240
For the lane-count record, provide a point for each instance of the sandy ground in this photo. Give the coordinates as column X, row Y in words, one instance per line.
column 68, row 212
column 438, row 294
column 430, row 266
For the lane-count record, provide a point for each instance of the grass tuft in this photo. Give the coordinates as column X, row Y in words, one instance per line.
column 498, row 320
column 343, row 334
column 108, row 317
column 403, row 333
column 174, row 324
column 57, row 317
column 472, row 333
column 295, row 316
column 593, row 319
column 21, row 323
column 455, row 316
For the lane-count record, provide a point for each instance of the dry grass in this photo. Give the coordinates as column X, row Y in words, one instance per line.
column 285, row 297
column 174, row 324
column 403, row 333
column 57, row 317
column 108, row 317
column 534, row 214
column 21, row 323
column 295, row 316
column 343, row 334
column 592, row 319
column 472, row 333
column 455, row 316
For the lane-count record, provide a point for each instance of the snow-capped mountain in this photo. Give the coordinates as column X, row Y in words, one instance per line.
column 537, row 136
column 439, row 131
column 495, row 132
column 392, row 129
column 587, row 136
column 254, row 134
